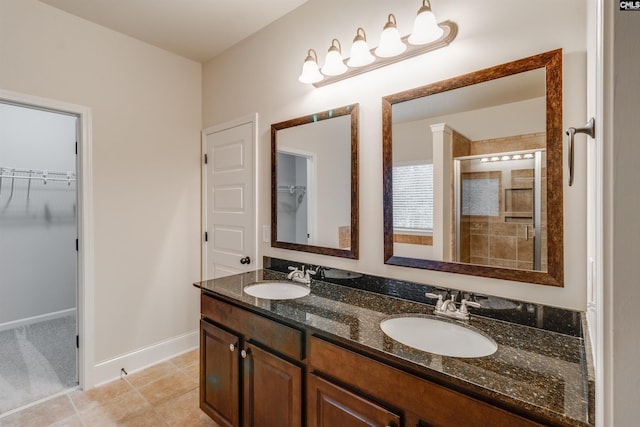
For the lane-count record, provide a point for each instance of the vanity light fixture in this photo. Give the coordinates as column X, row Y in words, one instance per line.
column 360, row 52
column 425, row 27
column 310, row 72
column 333, row 64
column 507, row 157
column 427, row 35
column 391, row 43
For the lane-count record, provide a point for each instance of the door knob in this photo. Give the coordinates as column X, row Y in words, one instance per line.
column 245, row 260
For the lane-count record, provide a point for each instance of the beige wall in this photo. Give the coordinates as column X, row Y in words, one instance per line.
column 260, row 75
column 414, row 140
column 146, row 113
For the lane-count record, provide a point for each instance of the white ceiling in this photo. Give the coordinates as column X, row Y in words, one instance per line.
column 196, row 29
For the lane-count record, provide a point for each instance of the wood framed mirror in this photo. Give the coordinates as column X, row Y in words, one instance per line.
column 314, row 183
column 472, row 173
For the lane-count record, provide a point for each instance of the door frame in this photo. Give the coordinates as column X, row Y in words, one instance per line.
column 85, row 227
column 248, row 119
column 599, row 32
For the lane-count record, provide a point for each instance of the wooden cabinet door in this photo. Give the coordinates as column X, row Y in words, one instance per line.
column 272, row 390
column 330, row 405
column 219, row 375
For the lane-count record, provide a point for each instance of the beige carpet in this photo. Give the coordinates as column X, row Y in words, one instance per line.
column 37, row 361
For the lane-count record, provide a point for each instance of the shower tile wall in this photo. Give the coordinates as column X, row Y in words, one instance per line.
column 506, row 240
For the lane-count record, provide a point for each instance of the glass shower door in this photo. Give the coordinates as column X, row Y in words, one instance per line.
column 500, row 210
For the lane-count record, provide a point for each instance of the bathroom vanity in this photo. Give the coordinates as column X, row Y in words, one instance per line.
column 323, row 360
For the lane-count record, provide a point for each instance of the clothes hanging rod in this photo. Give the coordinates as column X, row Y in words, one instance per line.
column 291, row 188
column 37, row 174
column 28, row 174
column 38, row 178
column 4, row 169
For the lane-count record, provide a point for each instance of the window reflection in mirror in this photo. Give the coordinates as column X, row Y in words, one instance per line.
column 465, row 166
column 314, row 191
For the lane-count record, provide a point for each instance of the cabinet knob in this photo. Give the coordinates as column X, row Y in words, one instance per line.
column 244, row 354
column 232, row 347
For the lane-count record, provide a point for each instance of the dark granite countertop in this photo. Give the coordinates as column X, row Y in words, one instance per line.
column 542, row 372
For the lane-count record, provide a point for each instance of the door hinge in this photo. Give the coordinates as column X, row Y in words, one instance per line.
column 77, row 245
column 206, row 159
column 76, row 148
column 77, row 341
column 206, row 236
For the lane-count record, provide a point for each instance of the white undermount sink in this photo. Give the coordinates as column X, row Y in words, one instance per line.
column 277, row 290
column 438, row 336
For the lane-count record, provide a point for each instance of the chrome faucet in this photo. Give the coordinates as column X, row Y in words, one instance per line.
column 448, row 307
column 300, row 276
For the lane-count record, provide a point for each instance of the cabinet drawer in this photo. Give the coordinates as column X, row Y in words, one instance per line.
column 281, row 338
column 436, row 405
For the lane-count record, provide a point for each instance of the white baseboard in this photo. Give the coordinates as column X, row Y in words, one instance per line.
column 138, row 360
column 36, row 319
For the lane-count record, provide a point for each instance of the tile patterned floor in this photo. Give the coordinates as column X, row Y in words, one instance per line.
column 165, row 394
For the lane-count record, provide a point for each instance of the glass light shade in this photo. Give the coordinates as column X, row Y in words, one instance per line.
column 390, row 41
column 360, row 52
column 425, row 28
column 333, row 63
column 310, row 71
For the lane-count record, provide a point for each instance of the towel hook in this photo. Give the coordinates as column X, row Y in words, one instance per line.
column 588, row 129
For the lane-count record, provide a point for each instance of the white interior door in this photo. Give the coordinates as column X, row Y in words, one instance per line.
column 229, row 244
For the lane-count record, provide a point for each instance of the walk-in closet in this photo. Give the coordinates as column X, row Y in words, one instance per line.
column 38, row 258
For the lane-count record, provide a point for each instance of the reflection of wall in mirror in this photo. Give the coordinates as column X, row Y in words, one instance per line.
column 413, row 142
column 330, row 142
column 412, row 139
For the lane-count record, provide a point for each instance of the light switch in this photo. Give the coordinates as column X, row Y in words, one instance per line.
column 266, row 234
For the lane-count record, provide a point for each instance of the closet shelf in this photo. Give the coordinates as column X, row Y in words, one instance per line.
column 36, row 174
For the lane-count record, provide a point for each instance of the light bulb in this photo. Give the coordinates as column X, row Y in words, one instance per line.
column 310, row 72
column 333, row 63
column 425, row 27
column 360, row 53
column 390, row 41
